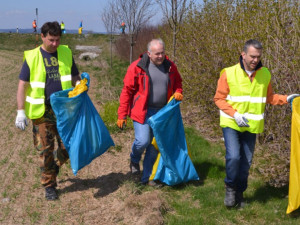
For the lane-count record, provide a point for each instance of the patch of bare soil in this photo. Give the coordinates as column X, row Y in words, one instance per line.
column 103, row 192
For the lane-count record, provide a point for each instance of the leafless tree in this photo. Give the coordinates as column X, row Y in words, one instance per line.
column 135, row 14
column 174, row 11
column 108, row 16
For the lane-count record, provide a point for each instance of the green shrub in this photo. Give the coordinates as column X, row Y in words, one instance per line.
column 212, row 37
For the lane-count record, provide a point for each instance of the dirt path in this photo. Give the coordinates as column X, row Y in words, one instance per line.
column 102, row 193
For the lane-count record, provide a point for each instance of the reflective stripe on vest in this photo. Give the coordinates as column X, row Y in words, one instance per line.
column 35, row 96
column 248, row 98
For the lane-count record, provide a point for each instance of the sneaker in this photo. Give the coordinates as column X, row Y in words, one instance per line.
column 152, row 183
column 239, row 199
column 50, row 193
column 229, row 200
column 134, row 168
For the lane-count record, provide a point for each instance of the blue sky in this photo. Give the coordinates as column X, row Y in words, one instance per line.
column 21, row 13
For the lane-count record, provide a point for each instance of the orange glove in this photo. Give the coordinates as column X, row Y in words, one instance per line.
column 178, row 96
column 122, row 123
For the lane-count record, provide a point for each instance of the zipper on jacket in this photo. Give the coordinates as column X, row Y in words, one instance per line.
column 137, row 98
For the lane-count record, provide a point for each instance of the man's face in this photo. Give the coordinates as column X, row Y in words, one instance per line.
column 251, row 58
column 157, row 53
column 50, row 43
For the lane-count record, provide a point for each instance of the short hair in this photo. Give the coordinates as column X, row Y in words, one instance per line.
column 52, row 28
column 160, row 41
column 252, row 42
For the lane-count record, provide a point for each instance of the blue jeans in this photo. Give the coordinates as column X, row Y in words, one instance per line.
column 239, row 153
column 143, row 139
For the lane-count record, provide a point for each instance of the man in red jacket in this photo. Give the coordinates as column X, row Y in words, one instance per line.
column 148, row 84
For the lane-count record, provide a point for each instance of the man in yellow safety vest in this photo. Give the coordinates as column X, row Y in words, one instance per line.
column 62, row 27
column 46, row 69
column 242, row 93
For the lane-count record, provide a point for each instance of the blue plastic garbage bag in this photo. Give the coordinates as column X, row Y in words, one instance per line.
column 173, row 165
column 87, row 76
column 80, row 127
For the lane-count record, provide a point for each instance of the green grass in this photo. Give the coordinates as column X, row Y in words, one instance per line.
column 117, row 72
column 3, row 161
column 109, row 116
column 202, row 202
column 199, row 202
column 17, row 42
column 22, row 42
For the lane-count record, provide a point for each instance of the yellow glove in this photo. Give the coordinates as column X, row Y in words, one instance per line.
column 178, row 96
column 79, row 88
column 122, row 123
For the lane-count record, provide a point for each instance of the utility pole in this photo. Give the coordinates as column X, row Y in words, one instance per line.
column 37, row 18
column 37, row 22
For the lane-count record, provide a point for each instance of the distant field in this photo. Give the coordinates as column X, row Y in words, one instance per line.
column 30, row 30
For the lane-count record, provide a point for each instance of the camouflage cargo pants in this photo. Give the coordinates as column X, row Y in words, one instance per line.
column 44, row 136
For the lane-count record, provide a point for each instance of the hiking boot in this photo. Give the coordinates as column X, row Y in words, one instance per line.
column 239, row 199
column 152, row 183
column 229, row 200
column 50, row 193
column 134, row 168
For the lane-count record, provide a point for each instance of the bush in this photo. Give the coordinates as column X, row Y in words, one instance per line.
column 141, row 40
column 212, row 37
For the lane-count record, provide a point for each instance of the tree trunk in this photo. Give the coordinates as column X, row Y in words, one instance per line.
column 174, row 44
column 131, row 47
column 111, row 49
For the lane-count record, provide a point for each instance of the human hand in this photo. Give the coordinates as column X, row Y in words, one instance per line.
column 122, row 123
column 240, row 120
column 178, row 96
column 21, row 119
column 291, row 97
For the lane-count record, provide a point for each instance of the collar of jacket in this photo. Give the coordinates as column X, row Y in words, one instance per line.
column 259, row 65
column 145, row 60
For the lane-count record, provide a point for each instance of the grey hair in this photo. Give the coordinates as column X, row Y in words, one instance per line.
column 160, row 41
column 252, row 42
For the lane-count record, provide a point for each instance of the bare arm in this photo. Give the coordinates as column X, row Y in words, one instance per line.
column 21, row 94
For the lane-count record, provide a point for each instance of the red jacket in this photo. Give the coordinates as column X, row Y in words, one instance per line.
column 135, row 92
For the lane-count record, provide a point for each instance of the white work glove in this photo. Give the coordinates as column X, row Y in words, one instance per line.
column 240, row 120
column 21, row 119
column 291, row 97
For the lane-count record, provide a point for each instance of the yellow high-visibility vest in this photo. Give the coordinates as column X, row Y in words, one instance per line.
column 248, row 98
column 35, row 95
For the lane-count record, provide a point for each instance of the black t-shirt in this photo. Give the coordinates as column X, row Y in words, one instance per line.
column 53, row 83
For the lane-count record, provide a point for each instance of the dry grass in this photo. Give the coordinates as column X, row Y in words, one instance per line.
column 102, row 193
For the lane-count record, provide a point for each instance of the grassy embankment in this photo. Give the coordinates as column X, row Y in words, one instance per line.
column 193, row 203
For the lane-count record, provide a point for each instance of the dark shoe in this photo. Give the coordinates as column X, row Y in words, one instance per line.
column 152, row 183
column 239, row 200
column 229, row 200
column 134, row 168
column 50, row 193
